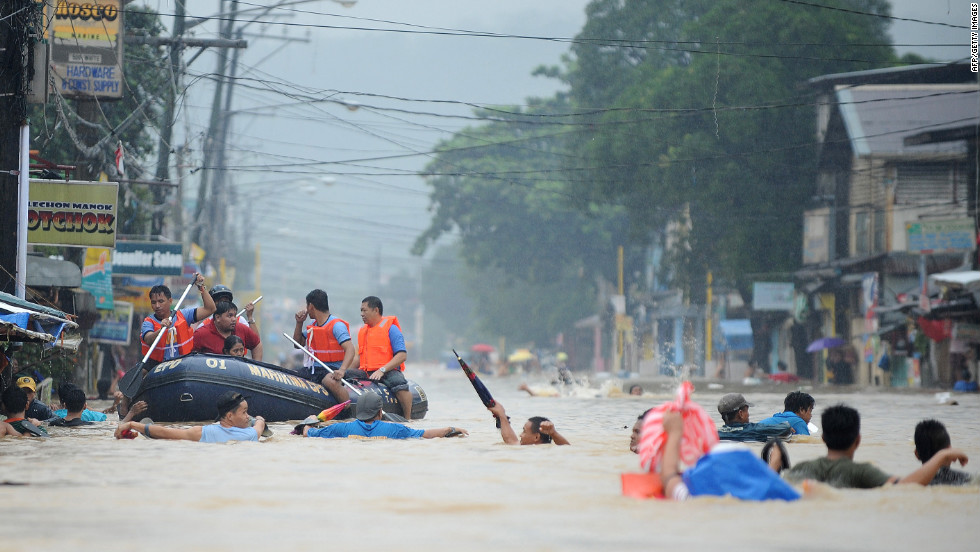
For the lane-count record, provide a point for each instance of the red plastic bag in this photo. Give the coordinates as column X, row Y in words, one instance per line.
column 699, row 435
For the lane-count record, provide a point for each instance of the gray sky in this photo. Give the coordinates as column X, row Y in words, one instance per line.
column 341, row 235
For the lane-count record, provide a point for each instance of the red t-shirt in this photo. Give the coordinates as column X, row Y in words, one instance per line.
column 208, row 340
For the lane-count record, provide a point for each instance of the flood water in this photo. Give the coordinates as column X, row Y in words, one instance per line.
column 84, row 490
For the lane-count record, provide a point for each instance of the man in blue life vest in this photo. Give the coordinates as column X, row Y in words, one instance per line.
column 381, row 352
column 328, row 338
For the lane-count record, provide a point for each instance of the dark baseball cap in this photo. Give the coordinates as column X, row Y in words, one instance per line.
column 732, row 402
column 368, row 406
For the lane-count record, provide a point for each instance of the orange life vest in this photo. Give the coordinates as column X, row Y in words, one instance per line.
column 180, row 336
column 322, row 343
column 374, row 346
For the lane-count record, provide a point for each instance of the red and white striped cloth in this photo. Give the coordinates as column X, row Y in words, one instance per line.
column 699, row 434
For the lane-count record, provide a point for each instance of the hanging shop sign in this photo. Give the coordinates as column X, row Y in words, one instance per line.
column 97, row 276
column 941, row 236
column 774, row 296
column 115, row 327
column 148, row 258
column 87, row 48
column 72, row 213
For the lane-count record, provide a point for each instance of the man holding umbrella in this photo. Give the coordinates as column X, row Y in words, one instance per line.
column 839, row 369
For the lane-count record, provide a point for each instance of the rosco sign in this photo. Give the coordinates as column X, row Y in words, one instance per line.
column 86, row 48
column 95, row 12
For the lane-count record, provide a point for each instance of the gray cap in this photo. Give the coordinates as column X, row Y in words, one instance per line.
column 368, row 406
column 732, row 402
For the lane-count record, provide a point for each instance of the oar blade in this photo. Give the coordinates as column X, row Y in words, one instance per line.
column 391, row 417
column 130, row 383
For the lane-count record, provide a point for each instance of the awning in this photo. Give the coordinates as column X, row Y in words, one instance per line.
column 45, row 272
column 965, row 278
column 22, row 320
column 736, row 335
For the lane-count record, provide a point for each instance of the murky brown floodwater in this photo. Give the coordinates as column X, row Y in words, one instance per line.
column 83, row 490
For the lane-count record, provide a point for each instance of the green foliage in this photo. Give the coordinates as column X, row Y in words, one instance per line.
column 527, row 243
column 698, row 132
column 55, row 363
column 726, row 130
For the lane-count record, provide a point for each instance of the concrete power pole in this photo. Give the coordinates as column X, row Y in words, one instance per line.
column 167, row 128
column 21, row 26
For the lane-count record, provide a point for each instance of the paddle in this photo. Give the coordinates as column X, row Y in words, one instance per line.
column 481, row 389
column 130, row 383
column 259, row 298
column 388, row 416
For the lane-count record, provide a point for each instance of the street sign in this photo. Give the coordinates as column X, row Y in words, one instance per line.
column 941, row 236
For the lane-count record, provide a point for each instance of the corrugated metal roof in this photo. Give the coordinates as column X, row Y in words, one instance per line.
column 879, row 117
column 956, row 71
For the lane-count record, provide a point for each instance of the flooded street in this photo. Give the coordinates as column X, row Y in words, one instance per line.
column 88, row 491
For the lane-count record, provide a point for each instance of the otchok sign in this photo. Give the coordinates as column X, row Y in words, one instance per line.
column 72, row 213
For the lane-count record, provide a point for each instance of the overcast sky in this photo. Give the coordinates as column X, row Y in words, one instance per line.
column 337, row 226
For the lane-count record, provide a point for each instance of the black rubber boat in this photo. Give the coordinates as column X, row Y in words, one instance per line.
column 186, row 389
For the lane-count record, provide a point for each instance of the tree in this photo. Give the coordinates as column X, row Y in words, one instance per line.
column 727, row 137
column 531, row 253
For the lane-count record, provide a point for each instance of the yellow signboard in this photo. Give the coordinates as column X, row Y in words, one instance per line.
column 72, row 213
column 86, row 47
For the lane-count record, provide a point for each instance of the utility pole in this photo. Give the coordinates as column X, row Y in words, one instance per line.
column 206, row 217
column 167, row 128
column 20, row 28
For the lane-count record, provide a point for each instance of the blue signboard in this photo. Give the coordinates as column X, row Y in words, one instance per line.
column 148, row 258
column 941, row 236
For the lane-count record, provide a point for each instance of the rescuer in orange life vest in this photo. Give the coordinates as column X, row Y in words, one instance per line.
column 381, row 352
column 179, row 340
column 328, row 338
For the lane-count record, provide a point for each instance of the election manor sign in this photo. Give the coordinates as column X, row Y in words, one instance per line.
column 72, row 213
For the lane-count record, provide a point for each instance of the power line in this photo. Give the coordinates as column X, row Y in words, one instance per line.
column 631, row 44
column 870, row 14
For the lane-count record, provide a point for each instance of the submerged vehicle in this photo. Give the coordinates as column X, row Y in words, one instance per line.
column 186, row 389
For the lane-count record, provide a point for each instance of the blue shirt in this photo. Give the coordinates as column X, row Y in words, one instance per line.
column 362, row 430
column 340, row 333
column 169, row 352
column 87, row 415
column 214, row 433
column 397, row 340
column 791, row 418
